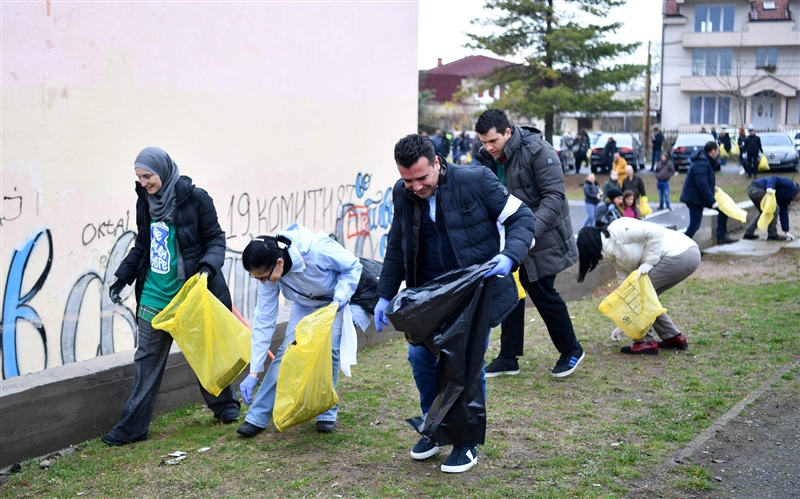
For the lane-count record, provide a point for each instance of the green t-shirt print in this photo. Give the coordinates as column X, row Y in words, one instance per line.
column 161, row 283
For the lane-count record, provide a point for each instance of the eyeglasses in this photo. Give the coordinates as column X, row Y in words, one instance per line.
column 262, row 280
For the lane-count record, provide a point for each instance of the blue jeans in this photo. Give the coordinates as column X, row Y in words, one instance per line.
column 656, row 158
column 663, row 193
column 424, row 366
column 696, row 217
column 590, row 209
column 260, row 412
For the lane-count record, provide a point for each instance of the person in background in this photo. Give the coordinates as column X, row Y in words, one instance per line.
column 698, row 192
column 633, row 183
column 430, row 235
column 714, row 133
column 752, row 146
column 664, row 172
column 658, row 140
column 178, row 236
column 312, row 271
column 742, row 156
column 667, row 256
column 725, row 141
column 612, row 182
column 609, row 154
column 630, row 205
column 619, row 166
column 785, row 192
column 592, row 196
column 567, row 140
column 610, row 210
column 581, row 147
column 535, row 176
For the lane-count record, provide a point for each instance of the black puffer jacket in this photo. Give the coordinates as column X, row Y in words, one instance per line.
column 471, row 199
column 201, row 240
column 534, row 175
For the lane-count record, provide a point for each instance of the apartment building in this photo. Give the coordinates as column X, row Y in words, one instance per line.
column 730, row 62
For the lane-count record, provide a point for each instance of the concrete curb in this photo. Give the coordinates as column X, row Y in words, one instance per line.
column 687, row 452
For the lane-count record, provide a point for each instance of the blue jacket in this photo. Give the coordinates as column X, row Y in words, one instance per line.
column 472, row 201
column 699, row 186
column 785, row 190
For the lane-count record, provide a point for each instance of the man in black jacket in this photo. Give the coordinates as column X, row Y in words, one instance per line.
column 446, row 217
column 752, row 146
column 532, row 172
column 658, row 141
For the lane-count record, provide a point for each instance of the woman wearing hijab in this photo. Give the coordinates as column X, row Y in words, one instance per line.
column 647, row 248
column 312, row 271
column 178, row 236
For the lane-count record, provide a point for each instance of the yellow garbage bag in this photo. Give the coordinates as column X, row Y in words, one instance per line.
column 644, row 208
column 763, row 164
column 633, row 306
column 216, row 345
column 768, row 206
column 305, row 382
column 728, row 206
column 735, row 153
column 520, row 289
column 723, row 154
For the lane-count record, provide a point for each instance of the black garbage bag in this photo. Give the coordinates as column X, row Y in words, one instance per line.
column 450, row 317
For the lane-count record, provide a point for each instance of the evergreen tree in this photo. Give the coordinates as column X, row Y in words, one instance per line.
column 563, row 68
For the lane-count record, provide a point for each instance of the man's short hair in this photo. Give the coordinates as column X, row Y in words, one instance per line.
column 492, row 118
column 411, row 148
column 710, row 146
column 655, row 128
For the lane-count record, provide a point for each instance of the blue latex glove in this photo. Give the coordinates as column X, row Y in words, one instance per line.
column 246, row 388
column 503, row 267
column 339, row 303
column 380, row 316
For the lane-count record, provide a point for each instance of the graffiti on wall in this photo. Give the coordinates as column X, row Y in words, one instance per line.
column 359, row 217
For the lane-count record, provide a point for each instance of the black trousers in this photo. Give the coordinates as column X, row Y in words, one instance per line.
column 553, row 310
column 752, row 164
column 512, row 332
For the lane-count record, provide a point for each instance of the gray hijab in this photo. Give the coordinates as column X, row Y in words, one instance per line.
column 158, row 162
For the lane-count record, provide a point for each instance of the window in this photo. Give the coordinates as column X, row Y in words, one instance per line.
column 711, row 62
column 767, row 58
column 710, row 18
column 769, row 5
column 709, row 109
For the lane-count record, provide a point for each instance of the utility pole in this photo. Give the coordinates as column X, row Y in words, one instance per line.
column 646, row 117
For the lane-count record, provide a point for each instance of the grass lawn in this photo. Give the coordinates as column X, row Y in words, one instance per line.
column 606, row 431
column 734, row 185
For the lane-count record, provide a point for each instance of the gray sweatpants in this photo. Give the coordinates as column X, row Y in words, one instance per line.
column 667, row 273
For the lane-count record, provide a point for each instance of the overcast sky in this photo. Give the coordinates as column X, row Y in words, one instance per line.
column 442, row 24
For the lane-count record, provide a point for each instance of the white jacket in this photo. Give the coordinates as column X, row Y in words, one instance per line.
column 634, row 242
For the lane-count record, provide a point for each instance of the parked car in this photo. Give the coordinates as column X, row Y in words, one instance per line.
column 685, row 145
column 780, row 151
column 628, row 146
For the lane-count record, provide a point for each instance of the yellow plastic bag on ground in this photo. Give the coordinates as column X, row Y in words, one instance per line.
column 768, row 206
column 305, row 382
column 644, row 208
column 728, row 206
column 633, row 306
column 763, row 164
column 520, row 289
column 214, row 342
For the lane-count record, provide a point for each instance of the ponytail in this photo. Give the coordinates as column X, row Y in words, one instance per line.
column 263, row 252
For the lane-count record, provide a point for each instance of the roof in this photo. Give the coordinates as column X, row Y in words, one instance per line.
column 781, row 11
column 470, row 66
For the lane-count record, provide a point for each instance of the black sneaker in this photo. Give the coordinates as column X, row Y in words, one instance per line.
column 751, row 237
column 249, row 430
column 461, row 459
column 229, row 417
column 568, row 362
column 424, row 449
column 326, row 426
column 726, row 240
column 502, row 365
column 777, row 237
